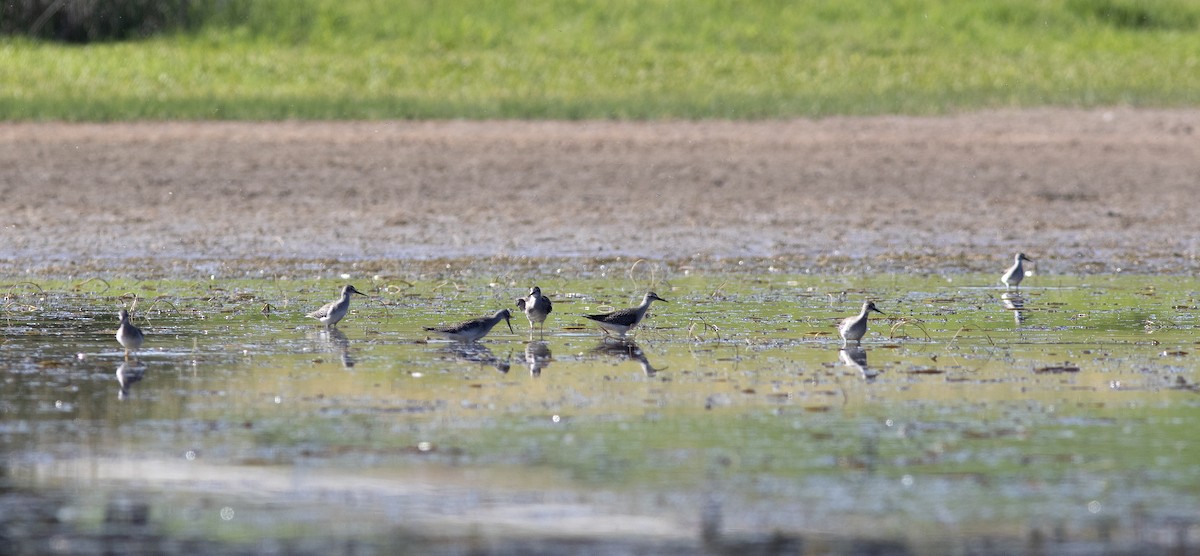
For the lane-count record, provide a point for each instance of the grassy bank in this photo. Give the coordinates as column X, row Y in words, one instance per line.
column 326, row 59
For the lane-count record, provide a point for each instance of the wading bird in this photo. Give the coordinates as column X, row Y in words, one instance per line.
column 621, row 321
column 1015, row 273
column 129, row 335
column 854, row 328
column 474, row 329
column 536, row 307
column 332, row 312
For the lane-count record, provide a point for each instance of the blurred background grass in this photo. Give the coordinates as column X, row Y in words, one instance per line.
column 576, row 59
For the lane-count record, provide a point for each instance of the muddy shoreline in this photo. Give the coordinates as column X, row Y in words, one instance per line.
column 1084, row 191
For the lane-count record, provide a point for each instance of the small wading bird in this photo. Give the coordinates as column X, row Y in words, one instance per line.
column 1015, row 273
column 332, row 312
column 129, row 335
column 474, row 329
column 854, row 328
column 621, row 321
column 536, row 307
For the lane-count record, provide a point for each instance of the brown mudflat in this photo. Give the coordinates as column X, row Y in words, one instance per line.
column 1080, row 190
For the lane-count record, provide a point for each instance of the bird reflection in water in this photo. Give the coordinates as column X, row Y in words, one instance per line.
column 856, row 358
column 627, row 349
column 477, row 353
column 128, row 374
column 1016, row 303
column 332, row 340
column 538, row 356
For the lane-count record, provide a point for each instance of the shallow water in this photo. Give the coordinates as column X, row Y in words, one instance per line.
column 971, row 421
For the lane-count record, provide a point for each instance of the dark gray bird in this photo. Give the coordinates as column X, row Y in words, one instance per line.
column 474, row 329
column 621, row 321
column 129, row 335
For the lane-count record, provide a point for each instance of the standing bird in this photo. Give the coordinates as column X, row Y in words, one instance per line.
column 129, row 335
column 332, row 312
column 621, row 321
column 854, row 328
column 1015, row 273
column 536, row 307
column 474, row 329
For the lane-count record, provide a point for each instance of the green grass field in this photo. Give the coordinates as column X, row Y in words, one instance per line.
column 629, row 59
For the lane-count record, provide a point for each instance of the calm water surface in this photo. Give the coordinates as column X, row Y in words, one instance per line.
column 1060, row 420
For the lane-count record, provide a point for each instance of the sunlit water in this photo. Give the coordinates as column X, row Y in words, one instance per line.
column 1062, row 419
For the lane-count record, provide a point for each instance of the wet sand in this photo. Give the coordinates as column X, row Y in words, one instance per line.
column 1081, row 191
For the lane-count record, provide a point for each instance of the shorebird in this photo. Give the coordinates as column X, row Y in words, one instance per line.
column 332, row 312
column 621, row 321
column 1015, row 273
column 474, row 329
column 854, row 328
column 536, row 307
column 129, row 335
